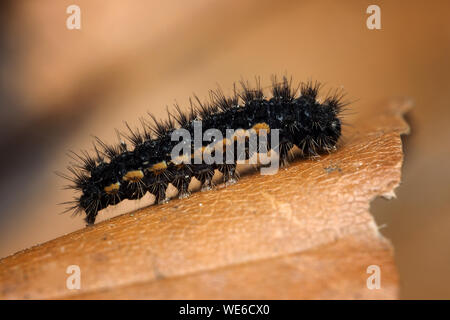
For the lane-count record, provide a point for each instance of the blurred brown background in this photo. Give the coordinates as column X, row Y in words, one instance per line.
column 59, row 86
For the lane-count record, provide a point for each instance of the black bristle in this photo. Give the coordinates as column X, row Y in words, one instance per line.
column 223, row 103
column 134, row 136
column 248, row 94
column 109, row 151
column 310, row 89
column 160, row 128
column 181, row 117
column 205, row 109
column 283, row 90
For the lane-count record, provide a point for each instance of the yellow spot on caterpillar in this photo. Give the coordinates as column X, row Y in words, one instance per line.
column 159, row 167
column 227, row 142
column 180, row 160
column 112, row 188
column 260, row 126
column 241, row 135
column 196, row 151
column 224, row 142
column 133, row 176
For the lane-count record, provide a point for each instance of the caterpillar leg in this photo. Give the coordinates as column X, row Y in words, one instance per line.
column 284, row 153
column 182, row 186
column 134, row 190
column 157, row 184
column 159, row 190
column 91, row 204
column 230, row 175
column 91, row 212
column 181, row 179
column 308, row 147
column 204, row 173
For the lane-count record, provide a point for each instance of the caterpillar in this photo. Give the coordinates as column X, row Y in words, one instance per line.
column 118, row 172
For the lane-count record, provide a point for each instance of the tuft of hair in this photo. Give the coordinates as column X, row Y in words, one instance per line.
column 283, row 90
column 160, row 128
column 335, row 100
column 134, row 136
column 310, row 90
column 248, row 94
column 83, row 161
column 109, row 151
column 205, row 109
column 78, row 177
column 222, row 102
column 182, row 118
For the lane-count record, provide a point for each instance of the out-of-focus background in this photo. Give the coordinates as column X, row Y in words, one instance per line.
column 59, row 86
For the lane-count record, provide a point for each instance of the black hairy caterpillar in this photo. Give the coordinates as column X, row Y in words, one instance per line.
column 117, row 172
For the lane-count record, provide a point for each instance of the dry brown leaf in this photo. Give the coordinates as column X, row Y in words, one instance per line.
column 304, row 233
